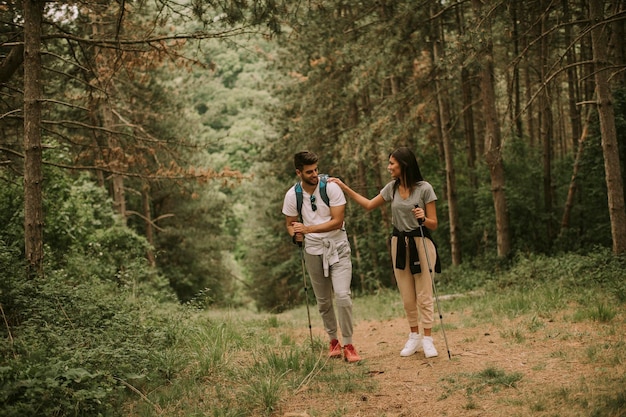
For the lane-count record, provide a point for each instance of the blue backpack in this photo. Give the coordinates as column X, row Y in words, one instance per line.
column 323, row 193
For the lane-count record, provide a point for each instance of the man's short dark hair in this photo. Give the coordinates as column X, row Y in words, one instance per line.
column 304, row 158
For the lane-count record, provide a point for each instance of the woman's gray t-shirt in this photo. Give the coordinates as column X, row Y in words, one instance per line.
column 401, row 215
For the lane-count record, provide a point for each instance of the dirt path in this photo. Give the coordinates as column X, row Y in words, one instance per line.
column 554, row 362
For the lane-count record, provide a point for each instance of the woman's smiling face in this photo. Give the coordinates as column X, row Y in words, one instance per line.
column 394, row 167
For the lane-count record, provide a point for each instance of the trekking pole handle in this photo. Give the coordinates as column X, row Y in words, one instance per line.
column 419, row 221
column 295, row 242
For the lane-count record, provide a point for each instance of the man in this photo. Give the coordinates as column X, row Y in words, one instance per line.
column 326, row 250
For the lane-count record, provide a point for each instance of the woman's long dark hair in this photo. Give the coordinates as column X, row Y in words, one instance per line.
column 409, row 168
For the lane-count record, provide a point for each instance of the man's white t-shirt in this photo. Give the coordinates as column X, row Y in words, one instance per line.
column 319, row 216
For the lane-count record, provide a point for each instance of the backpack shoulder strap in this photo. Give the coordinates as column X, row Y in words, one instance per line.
column 323, row 192
column 298, row 188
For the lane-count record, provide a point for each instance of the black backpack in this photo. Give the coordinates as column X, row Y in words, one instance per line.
column 323, row 193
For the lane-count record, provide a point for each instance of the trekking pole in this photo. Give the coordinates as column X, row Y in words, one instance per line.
column 306, row 294
column 432, row 279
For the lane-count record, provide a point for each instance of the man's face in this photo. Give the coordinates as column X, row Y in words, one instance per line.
column 308, row 175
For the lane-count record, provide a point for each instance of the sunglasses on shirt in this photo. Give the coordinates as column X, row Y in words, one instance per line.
column 313, row 205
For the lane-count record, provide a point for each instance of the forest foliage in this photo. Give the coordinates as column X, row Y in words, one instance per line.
column 167, row 136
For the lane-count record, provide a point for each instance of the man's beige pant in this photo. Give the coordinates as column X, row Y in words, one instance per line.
column 337, row 284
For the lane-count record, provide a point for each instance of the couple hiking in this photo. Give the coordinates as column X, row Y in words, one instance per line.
column 314, row 217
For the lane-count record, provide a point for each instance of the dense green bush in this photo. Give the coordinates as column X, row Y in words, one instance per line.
column 72, row 346
column 76, row 339
column 597, row 269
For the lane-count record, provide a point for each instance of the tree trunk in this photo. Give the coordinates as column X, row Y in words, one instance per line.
column 147, row 212
column 617, row 44
column 113, row 151
column 546, row 127
column 516, row 105
column 11, row 63
column 119, row 196
column 614, row 184
column 355, row 246
column 528, row 68
column 376, row 261
column 493, row 152
column 448, row 149
column 572, row 78
column 467, row 97
column 571, row 192
column 33, row 175
column 115, row 160
column 468, row 126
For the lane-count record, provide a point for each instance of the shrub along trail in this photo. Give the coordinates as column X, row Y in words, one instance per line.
column 508, row 367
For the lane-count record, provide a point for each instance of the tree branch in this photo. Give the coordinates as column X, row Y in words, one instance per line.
column 198, row 174
column 11, row 63
column 152, row 222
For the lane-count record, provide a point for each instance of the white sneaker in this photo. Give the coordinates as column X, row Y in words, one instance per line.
column 412, row 345
column 429, row 347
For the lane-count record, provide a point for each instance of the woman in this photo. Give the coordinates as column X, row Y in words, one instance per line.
column 412, row 204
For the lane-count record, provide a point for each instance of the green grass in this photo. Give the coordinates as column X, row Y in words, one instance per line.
column 517, row 335
column 489, row 379
column 241, row 362
column 601, row 312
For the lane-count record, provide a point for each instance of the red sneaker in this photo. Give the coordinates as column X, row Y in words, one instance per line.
column 350, row 355
column 335, row 349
